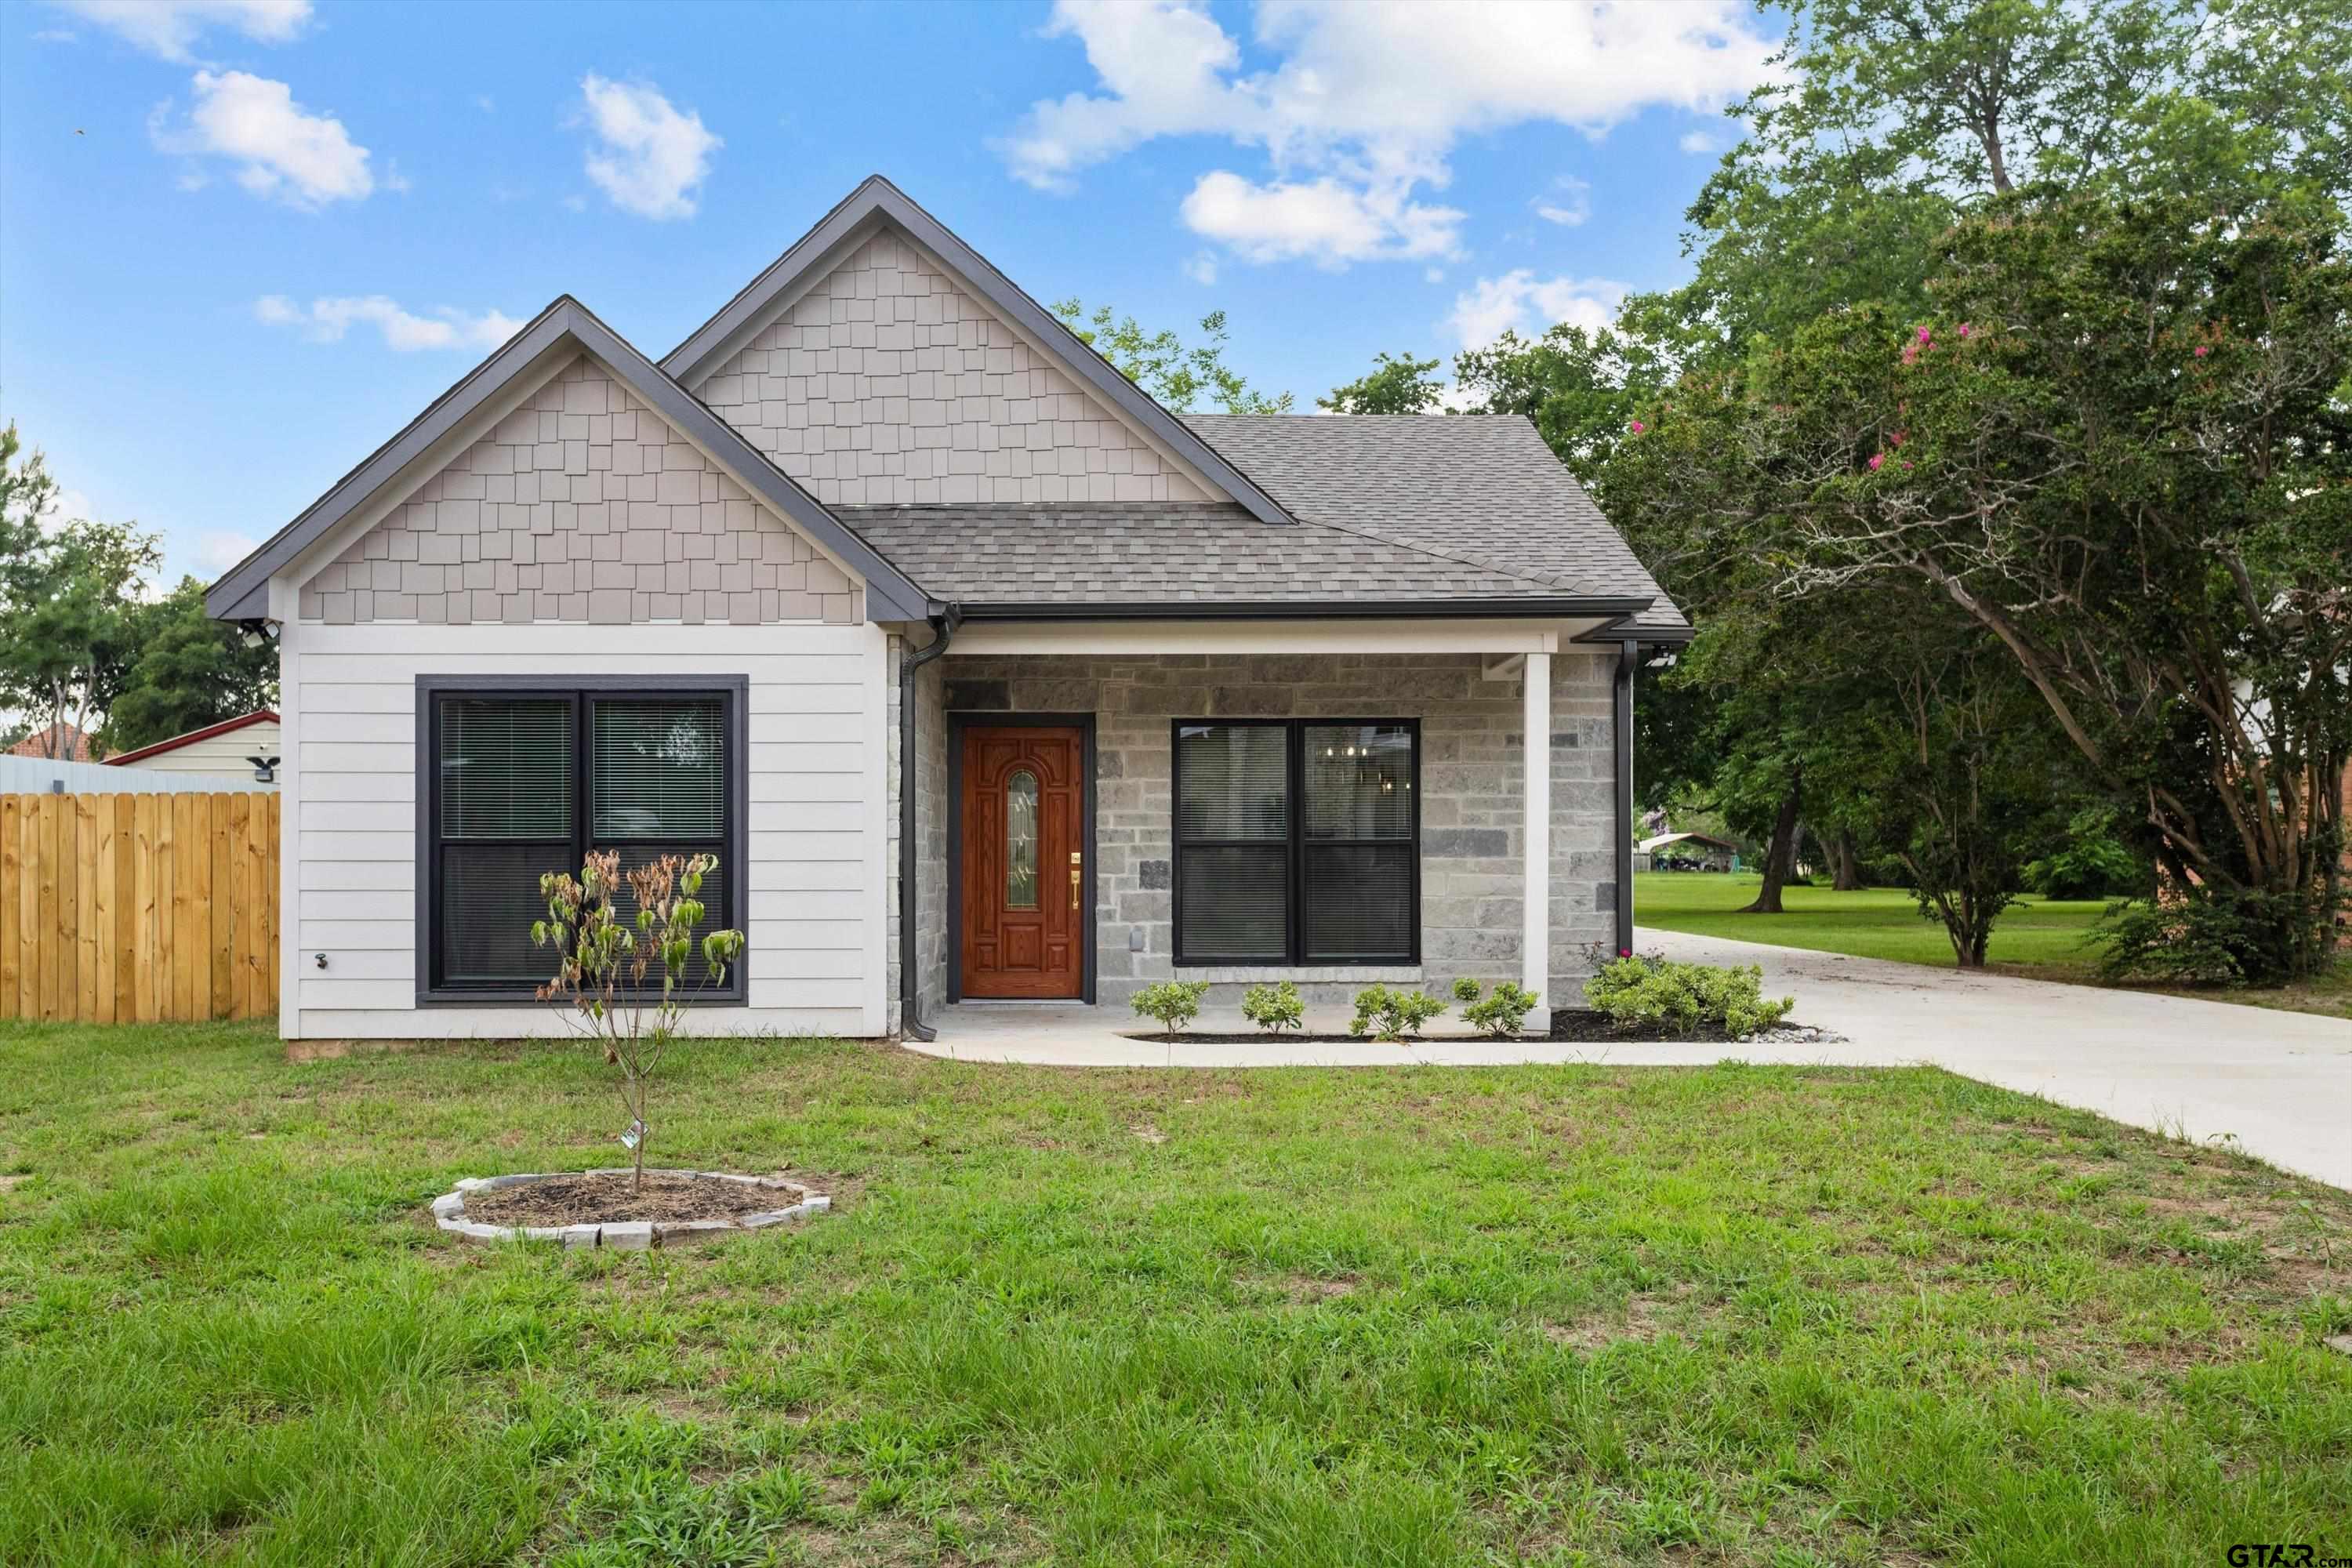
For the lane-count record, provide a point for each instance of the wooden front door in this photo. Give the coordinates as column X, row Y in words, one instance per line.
column 1023, row 869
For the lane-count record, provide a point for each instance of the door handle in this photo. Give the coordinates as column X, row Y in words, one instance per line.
column 1075, row 857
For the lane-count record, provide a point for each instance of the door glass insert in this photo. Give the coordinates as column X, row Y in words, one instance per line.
column 1020, row 841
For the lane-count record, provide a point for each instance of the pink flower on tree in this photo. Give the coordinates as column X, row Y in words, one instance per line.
column 1910, row 353
column 2202, row 349
column 1924, row 335
column 1964, row 329
column 1637, row 427
column 1876, row 458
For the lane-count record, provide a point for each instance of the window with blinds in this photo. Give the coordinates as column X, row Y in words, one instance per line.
column 528, row 783
column 1297, row 841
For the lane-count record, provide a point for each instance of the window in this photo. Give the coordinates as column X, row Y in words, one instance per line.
column 1297, row 842
column 524, row 780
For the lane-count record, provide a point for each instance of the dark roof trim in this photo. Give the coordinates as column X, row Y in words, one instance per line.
column 242, row 593
column 226, row 726
column 1622, row 630
column 877, row 195
column 1308, row 610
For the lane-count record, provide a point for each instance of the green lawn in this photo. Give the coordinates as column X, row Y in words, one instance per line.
column 1730, row 1315
column 1878, row 922
column 2043, row 939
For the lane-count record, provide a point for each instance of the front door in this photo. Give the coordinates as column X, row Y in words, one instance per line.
column 1023, row 862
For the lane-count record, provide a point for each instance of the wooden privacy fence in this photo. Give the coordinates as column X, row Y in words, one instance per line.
column 138, row 908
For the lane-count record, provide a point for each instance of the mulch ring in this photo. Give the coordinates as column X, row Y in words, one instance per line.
column 605, row 1197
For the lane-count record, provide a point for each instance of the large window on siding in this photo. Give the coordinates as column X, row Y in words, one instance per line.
column 1297, row 841
column 521, row 783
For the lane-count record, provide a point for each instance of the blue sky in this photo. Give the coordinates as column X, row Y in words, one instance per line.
column 242, row 242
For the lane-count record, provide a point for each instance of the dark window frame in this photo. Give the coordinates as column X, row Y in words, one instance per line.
column 1296, row 842
column 734, row 691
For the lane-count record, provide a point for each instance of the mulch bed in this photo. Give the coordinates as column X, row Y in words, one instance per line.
column 606, row 1200
column 1582, row 1023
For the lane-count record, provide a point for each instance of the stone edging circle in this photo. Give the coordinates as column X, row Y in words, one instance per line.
column 449, row 1212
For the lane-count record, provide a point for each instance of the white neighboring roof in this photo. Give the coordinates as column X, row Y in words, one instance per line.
column 1662, row 839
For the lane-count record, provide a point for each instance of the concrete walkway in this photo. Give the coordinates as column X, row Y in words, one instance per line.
column 2279, row 1084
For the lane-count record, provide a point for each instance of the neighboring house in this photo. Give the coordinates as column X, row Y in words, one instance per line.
column 1679, row 851
column 59, row 742
column 1230, row 697
column 246, row 748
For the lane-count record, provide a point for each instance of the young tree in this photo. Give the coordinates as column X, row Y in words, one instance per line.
column 1396, row 383
column 1175, row 376
column 611, row 931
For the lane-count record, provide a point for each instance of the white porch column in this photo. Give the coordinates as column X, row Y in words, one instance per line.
column 1535, row 940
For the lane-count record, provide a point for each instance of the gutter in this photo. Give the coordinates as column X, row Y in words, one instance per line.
column 1306, row 610
column 943, row 624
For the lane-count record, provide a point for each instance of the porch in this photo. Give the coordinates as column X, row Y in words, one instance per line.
column 1331, row 803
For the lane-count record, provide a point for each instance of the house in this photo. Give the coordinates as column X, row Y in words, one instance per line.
column 982, row 675
column 60, row 742
column 1688, row 851
column 246, row 748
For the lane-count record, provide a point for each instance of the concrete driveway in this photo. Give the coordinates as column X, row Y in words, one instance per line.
column 2279, row 1084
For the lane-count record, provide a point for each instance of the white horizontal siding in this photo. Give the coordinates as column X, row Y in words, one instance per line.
column 815, row 781
column 223, row 756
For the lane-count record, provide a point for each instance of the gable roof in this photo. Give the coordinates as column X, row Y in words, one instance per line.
column 225, row 727
column 564, row 327
column 1478, row 487
column 876, row 201
column 1162, row 560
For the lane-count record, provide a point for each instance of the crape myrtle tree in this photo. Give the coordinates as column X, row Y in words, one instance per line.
column 1176, row 376
column 2116, row 439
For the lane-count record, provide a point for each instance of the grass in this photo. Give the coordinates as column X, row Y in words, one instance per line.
column 1730, row 1315
column 2041, row 939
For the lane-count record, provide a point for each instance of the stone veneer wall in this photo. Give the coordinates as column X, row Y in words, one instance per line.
column 1471, row 824
column 583, row 505
column 887, row 383
column 930, row 838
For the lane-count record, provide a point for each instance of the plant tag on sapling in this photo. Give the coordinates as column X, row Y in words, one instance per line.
column 634, row 1136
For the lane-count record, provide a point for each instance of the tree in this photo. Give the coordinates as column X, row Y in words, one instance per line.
column 611, row 931
column 1395, row 385
column 69, row 603
column 2116, row 445
column 1581, row 388
column 190, row 672
column 1175, row 376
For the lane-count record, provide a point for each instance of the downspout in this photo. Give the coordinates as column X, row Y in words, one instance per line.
column 943, row 626
column 1629, row 656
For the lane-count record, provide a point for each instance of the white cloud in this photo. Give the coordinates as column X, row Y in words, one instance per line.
column 171, row 27
column 1326, row 221
column 216, row 552
column 1202, row 267
column 1369, row 96
column 1519, row 300
column 325, row 321
column 1568, row 204
column 649, row 159
column 1699, row 141
column 282, row 151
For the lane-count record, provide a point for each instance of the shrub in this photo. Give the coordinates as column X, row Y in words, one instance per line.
column 1275, row 1009
column 1500, row 1015
column 1391, row 1014
column 2093, row 862
column 1466, row 990
column 1685, row 996
column 1175, row 1003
